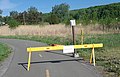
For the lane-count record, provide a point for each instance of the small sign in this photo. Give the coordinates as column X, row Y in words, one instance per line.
column 72, row 22
column 68, row 49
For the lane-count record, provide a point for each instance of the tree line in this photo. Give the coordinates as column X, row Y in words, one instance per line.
column 108, row 16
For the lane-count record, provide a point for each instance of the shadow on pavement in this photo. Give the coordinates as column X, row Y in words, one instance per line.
column 24, row 65
column 58, row 52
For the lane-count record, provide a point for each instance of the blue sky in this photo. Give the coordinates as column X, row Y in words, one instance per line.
column 46, row 5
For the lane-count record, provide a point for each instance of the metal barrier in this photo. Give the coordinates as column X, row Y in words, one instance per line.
column 61, row 47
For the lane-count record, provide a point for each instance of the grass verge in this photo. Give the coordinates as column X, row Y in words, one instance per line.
column 4, row 51
column 107, row 57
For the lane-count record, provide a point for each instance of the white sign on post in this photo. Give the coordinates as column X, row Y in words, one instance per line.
column 72, row 22
column 68, row 49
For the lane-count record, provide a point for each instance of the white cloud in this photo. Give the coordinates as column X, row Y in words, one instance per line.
column 6, row 4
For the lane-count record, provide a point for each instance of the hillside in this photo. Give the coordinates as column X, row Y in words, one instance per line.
column 108, row 16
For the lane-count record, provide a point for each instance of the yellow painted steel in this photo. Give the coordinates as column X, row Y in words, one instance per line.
column 29, row 60
column 93, row 55
column 45, row 48
column 60, row 47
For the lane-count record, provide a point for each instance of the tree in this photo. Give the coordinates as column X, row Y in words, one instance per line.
column 6, row 19
column 53, row 19
column 32, row 9
column 1, row 18
column 20, row 18
column 33, row 16
column 61, row 11
column 14, row 14
column 1, row 12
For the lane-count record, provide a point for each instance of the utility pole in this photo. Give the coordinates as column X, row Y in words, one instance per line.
column 24, row 19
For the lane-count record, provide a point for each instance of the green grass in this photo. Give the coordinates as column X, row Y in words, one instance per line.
column 108, row 57
column 45, row 39
column 4, row 51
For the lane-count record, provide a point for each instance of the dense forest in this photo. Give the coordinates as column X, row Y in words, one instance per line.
column 108, row 16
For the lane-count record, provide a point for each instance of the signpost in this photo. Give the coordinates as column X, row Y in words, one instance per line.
column 73, row 24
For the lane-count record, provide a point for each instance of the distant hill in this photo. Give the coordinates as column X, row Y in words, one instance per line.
column 96, row 13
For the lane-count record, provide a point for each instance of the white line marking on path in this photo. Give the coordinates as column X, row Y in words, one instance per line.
column 47, row 72
column 40, row 55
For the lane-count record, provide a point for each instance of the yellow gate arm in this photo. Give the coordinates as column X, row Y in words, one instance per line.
column 60, row 47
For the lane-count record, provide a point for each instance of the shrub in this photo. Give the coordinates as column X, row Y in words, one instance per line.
column 13, row 23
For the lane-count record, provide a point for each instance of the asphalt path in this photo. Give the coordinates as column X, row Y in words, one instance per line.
column 44, row 64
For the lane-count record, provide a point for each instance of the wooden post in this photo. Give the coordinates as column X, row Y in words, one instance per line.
column 81, row 37
column 73, row 34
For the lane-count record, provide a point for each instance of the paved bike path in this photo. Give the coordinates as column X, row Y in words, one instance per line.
column 45, row 64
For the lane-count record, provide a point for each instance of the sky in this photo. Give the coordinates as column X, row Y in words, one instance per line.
column 45, row 6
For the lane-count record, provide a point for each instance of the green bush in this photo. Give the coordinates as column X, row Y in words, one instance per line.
column 13, row 23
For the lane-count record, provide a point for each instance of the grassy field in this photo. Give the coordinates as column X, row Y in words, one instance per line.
column 47, row 30
column 107, row 58
column 4, row 51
